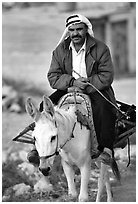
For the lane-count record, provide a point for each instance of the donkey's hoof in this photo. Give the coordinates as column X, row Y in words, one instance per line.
column 83, row 199
column 72, row 198
column 73, row 195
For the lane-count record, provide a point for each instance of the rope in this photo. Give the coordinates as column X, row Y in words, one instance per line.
column 75, row 100
column 128, row 140
column 102, row 95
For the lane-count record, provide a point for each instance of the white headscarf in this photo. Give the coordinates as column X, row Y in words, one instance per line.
column 73, row 19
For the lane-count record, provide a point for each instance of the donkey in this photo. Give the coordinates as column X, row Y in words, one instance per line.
column 57, row 130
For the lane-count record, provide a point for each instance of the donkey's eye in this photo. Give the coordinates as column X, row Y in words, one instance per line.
column 53, row 138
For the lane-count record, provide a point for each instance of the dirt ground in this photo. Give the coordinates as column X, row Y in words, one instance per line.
column 126, row 193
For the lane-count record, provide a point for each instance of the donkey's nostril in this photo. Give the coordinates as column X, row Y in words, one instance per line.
column 45, row 171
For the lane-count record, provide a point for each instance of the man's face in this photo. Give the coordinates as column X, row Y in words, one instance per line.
column 77, row 33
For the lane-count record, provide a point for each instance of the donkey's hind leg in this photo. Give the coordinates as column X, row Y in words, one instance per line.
column 108, row 188
column 70, row 175
column 101, row 180
column 104, row 181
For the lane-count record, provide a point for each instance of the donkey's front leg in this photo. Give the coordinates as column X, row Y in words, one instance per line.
column 70, row 175
column 85, row 176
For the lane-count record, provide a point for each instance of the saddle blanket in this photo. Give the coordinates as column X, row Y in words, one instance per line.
column 83, row 111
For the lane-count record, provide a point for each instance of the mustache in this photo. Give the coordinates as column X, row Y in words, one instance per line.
column 76, row 36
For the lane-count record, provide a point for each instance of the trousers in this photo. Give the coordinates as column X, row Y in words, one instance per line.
column 104, row 117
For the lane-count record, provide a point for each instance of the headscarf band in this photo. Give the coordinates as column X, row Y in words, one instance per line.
column 74, row 19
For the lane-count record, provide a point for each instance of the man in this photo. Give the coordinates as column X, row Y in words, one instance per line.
column 79, row 52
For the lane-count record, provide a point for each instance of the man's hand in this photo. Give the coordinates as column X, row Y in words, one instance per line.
column 81, row 82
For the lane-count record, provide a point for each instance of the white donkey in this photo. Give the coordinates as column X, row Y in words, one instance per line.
column 53, row 134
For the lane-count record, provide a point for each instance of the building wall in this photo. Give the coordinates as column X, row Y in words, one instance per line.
column 118, row 31
column 123, row 41
column 103, row 5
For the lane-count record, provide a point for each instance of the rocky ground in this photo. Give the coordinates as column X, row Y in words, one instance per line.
column 23, row 182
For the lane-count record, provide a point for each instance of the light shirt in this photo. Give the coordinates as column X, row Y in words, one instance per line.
column 78, row 61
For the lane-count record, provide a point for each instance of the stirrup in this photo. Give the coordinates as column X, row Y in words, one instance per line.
column 106, row 158
column 96, row 154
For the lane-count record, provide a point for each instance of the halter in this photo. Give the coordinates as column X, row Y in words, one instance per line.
column 51, row 155
column 58, row 149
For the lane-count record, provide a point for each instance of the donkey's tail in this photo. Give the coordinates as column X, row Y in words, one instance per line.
column 115, row 169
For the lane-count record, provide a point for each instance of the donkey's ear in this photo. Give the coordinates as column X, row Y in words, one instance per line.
column 48, row 106
column 32, row 109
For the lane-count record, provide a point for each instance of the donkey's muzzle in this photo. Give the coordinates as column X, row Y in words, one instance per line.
column 45, row 171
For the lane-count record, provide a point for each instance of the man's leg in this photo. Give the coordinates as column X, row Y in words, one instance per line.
column 104, row 116
column 55, row 97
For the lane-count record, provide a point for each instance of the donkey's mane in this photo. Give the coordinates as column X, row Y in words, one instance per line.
column 62, row 114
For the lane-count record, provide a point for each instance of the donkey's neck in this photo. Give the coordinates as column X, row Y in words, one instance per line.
column 65, row 123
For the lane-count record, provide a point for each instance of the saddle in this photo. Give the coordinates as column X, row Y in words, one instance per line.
column 83, row 112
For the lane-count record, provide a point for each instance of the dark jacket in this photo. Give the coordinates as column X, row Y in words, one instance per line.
column 99, row 67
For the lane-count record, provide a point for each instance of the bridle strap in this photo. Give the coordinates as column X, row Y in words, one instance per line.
column 58, row 149
column 51, row 155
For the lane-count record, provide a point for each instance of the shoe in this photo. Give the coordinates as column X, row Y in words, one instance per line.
column 106, row 158
column 33, row 157
column 95, row 154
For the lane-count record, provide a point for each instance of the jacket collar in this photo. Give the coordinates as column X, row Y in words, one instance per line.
column 90, row 42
